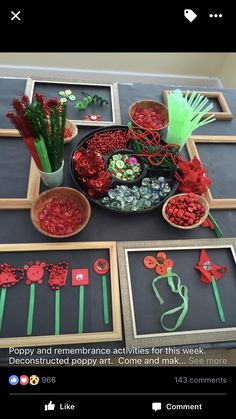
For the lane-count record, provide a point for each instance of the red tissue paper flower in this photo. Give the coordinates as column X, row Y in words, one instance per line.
column 191, row 176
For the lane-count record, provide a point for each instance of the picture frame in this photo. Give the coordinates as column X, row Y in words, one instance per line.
column 186, row 337
column 33, row 187
column 113, row 93
column 114, row 335
column 191, row 144
column 8, row 132
column 225, row 115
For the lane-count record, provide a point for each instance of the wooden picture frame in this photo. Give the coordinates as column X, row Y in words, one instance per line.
column 8, row 132
column 167, row 338
column 114, row 94
column 225, row 115
column 33, row 187
column 214, row 202
column 114, row 335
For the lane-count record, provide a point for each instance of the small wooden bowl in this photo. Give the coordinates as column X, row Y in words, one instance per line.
column 73, row 129
column 143, row 104
column 66, row 193
column 202, row 201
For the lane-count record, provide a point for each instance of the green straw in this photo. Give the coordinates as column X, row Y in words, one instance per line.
column 185, row 115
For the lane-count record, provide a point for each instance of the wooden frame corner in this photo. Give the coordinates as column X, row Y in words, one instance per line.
column 226, row 113
column 214, row 203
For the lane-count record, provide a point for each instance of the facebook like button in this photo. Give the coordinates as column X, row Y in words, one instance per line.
column 13, row 380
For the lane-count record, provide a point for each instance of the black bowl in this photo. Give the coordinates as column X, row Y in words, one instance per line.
column 140, row 161
column 150, row 173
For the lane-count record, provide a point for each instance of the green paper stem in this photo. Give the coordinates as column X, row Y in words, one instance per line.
column 217, row 229
column 217, row 299
column 81, row 309
column 57, row 312
column 2, row 305
column 31, row 310
column 105, row 299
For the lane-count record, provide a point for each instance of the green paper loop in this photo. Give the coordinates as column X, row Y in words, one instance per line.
column 177, row 288
column 217, row 299
column 105, row 299
column 57, row 312
column 2, row 305
column 31, row 310
column 81, row 309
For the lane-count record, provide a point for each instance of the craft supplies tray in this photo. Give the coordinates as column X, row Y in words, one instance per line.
column 136, row 195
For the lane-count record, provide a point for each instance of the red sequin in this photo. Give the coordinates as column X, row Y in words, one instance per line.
column 89, row 168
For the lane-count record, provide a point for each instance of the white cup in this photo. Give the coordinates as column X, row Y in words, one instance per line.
column 53, row 179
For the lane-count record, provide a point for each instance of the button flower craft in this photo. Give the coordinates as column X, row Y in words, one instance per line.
column 163, row 266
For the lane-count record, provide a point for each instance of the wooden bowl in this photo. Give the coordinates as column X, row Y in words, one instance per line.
column 143, row 104
column 202, row 201
column 61, row 192
column 73, row 129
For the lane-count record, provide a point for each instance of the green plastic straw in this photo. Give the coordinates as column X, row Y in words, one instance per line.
column 185, row 115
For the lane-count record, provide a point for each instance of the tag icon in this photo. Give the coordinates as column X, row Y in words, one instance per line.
column 190, row 15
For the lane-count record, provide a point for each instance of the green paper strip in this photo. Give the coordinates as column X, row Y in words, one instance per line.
column 217, row 298
column 105, row 299
column 31, row 310
column 2, row 305
column 57, row 312
column 81, row 309
column 177, row 288
column 217, row 229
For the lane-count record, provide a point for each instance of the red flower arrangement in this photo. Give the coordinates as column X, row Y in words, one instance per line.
column 191, row 176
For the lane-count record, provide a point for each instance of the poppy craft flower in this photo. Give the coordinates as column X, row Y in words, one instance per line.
column 161, row 263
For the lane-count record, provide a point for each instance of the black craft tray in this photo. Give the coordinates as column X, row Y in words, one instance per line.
column 150, row 173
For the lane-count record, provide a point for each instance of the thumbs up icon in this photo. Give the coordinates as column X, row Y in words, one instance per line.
column 49, row 406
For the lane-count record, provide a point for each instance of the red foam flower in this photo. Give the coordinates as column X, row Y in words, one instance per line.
column 191, row 176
